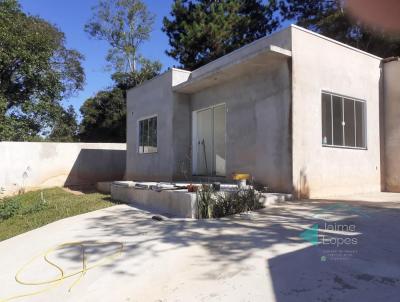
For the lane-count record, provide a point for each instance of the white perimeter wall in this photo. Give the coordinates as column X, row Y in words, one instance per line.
column 321, row 64
column 26, row 165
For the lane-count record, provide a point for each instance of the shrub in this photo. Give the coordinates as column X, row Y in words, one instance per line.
column 9, row 208
column 212, row 204
column 35, row 207
column 205, row 200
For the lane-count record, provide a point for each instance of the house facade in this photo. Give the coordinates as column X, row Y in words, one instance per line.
column 299, row 112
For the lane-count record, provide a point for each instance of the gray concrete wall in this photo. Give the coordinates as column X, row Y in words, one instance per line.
column 28, row 166
column 258, row 120
column 323, row 64
column 391, row 117
column 156, row 97
column 258, row 138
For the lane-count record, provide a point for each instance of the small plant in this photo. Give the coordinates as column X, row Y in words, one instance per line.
column 37, row 206
column 205, row 201
column 212, row 204
column 9, row 208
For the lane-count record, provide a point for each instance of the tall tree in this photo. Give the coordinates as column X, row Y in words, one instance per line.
column 331, row 18
column 125, row 25
column 36, row 72
column 201, row 31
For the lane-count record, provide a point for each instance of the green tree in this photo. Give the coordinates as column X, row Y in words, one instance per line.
column 104, row 115
column 201, row 31
column 125, row 25
column 65, row 128
column 331, row 18
column 127, row 80
column 36, row 72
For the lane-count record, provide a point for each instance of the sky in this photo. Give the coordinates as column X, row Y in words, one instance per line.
column 70, row 16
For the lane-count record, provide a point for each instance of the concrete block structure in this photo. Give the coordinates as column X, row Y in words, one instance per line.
column 299, row 112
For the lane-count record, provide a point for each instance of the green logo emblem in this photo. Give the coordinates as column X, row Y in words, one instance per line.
column 311, row 235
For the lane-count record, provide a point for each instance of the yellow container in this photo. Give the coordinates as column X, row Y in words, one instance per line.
column 240, row 176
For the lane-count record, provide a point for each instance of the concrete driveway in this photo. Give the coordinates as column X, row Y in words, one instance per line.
column 264, row 256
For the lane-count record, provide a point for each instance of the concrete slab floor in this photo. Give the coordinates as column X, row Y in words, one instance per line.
column 370, row 199
column 250, row 257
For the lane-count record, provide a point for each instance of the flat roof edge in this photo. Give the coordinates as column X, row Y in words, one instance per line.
column 280, row 50
column 244, row 47
column 335, row 41
column 180, row 70
column 152, row 79
column 268, row 49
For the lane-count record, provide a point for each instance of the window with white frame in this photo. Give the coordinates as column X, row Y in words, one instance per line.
column 148, row 135
column 343, row 121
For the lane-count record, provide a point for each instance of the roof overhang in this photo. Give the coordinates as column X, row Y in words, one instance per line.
column 220, row 71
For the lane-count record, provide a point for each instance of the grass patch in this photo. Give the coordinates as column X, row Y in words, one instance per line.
column 31, row 210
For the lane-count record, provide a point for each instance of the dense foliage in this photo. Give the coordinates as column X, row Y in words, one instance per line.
column 104, row 115
column 331, row 18
column 201, row 31
column 36, row 72
column 65, row 128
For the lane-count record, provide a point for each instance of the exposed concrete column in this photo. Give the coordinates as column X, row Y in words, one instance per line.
column 391, row 123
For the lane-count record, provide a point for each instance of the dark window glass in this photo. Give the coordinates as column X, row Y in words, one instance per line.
column 141, row 137
column 343, row 121
column 148, row 135
column 326, row 119
column 153, row 132
column 360, row 125
column 349, row 123
column 337, row 116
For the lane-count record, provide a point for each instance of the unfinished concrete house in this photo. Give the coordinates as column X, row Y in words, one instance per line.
column 299, row 112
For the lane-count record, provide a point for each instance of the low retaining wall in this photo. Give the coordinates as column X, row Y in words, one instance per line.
column 174, row 203
column 28, row 166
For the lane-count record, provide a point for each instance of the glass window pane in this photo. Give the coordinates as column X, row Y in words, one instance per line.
column 349, row 123
column 337, row 121
column 154, row 133
column 360, row 125
column 326, row 119
column 141, row 136
column 148, row 135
